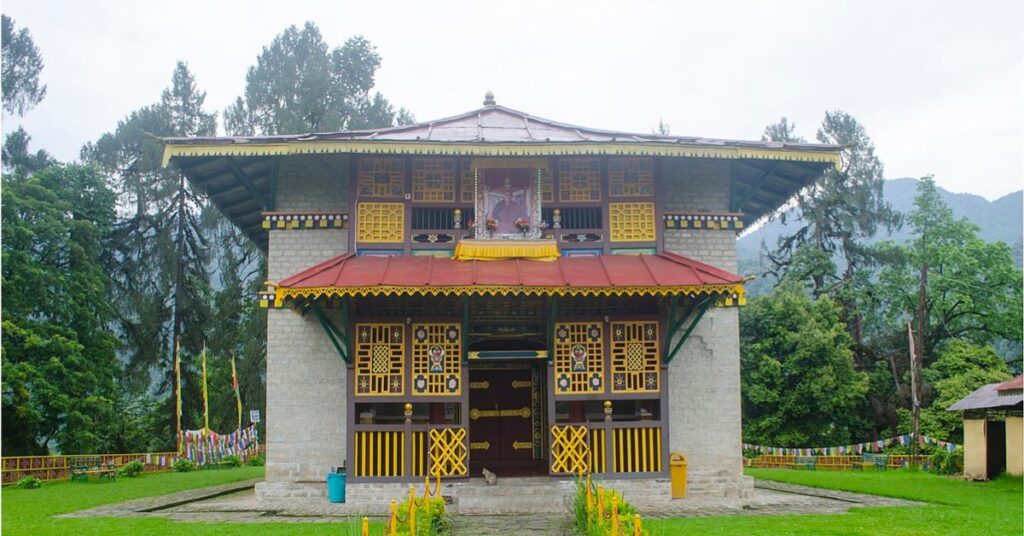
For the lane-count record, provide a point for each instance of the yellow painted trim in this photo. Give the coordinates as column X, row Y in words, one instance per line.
column 500, row 290
column 186, row 150
column 484, row 250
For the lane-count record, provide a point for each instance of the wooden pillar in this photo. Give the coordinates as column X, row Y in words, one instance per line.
column 407, row 440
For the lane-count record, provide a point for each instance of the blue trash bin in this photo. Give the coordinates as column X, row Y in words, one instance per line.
column 336, row 487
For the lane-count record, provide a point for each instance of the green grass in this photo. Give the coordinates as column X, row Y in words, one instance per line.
column 32, row 511
column 955, row 507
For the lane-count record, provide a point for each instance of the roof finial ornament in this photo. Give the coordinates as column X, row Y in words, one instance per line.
column 489, row 98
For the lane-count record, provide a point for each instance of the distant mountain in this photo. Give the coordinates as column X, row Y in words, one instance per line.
column 999, row 220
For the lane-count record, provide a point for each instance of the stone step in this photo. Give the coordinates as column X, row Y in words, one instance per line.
column 513, row 504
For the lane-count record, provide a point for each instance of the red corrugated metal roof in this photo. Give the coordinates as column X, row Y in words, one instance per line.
column 664, row 273
column 1015, row 384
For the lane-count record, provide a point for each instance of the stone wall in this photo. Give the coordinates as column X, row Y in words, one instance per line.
column 306, row 413
column 704, row 377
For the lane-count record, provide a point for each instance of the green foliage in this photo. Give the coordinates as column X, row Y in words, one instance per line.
column 183, row 465
column 232, row 460
column 21, row 64
column 592, row 522
column 131, row 469
column 798, row 380
column 18, row 161
column 960, row 369
column 256, row 461
column 60, row 370
column 299, row 85
column 29, row 482
column 431, row 517
column 948, row 463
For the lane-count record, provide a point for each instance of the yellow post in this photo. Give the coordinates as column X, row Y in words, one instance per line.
column 590, row 502
column 366, row 526
column 615, row 515
column 412, row 509
column 394, row 518
column 600, row 503
column 426, row 489
column 677, row 471
column 637, row 527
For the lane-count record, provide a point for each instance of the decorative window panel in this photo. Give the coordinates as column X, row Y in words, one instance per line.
column 380, row 222
column 382, row 177
column 631, row 222
column 547, row 193
column 579, row 358
column 436, row 359
column 630, row 177
column 380, row 357
column 634, row 353
column 579, row 180
column 433, row 180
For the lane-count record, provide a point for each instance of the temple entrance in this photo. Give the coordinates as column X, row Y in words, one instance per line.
column 505, row 409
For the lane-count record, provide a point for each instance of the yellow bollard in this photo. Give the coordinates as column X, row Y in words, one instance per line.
column 366, row 526
column 677, row 471
column 615, row 515
column 394, row 518
column 637, row 527
column 426, row 489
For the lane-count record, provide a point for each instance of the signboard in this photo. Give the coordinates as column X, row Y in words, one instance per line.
column 254, row 415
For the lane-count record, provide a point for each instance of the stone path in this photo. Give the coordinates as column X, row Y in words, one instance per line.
column 236, row 503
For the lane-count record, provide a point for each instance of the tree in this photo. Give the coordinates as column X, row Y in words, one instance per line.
column 783, row 131
column 973, row 289
column 961, row 368
column 22, row 64
column 799, row 385
column 18, row 161
column 59, row 363
column 298, row 85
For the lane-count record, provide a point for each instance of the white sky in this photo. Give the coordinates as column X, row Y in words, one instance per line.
column 939, row 85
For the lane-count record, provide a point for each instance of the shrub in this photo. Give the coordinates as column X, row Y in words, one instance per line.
column 29, row 482
column 948, row 463
column 232, row 460
column 130, row 469
column 256, row 461
column 431, row 517
column 591, row 522
column 184, row 465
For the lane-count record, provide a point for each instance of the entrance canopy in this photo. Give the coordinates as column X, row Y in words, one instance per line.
column 606, row 275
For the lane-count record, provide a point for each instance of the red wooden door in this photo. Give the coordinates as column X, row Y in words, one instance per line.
column 500, row 426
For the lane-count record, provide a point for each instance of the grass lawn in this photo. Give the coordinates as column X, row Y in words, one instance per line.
column 31, row 511
column 956, row 507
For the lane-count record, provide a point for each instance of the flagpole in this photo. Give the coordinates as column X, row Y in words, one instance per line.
column 177, row 390
column 915, row 418
column 206, row 405
column 234, row 385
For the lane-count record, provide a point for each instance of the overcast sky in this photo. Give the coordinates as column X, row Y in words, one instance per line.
column 939, row 85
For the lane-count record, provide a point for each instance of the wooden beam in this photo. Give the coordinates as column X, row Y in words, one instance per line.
column 702, row 308
column 757, row 183
column 247, row 183
column 333, row 333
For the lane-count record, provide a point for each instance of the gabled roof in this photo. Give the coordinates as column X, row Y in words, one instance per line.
column 989, row 397
column 605, row 275
column 237, row 172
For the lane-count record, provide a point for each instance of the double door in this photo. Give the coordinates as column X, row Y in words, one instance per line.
column 500, row 419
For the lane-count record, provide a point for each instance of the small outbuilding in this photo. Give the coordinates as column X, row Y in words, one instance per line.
column 993, row 429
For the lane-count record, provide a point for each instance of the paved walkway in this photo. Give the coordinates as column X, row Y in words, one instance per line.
column 237, row 503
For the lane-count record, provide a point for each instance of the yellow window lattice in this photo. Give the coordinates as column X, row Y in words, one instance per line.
column 630, row 177
column 380, row 353
column 631, row 222
column 436, row 359
column 634, row 357
column 579, row 357
column 433, row 180
column 382, row 177
column 380, row 222
column 579, row 180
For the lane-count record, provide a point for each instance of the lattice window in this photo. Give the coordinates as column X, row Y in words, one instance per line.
column 630, row 177
column 380, row 358
column 634, row 352
column 631, row 222
column 436, row 359
column 579, row 180
column 380, row 222
column 382, row 177
column 433, row 180
column 579, row 358
column 467, row 182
